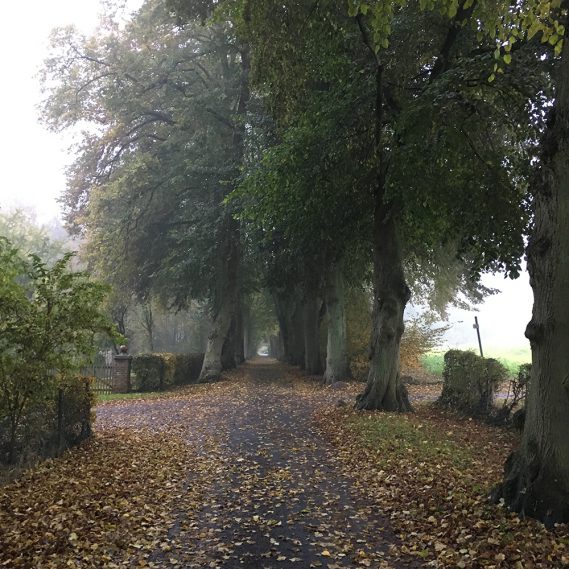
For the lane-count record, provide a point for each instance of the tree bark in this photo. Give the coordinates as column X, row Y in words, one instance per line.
column 384, row 389
column 291, row 325
column 239, row 338
column 225, row 302
column 337, row 364
column 249, row 347
column 536, row 478
column 228, row 352
column 312, row 356
column 276, row 347
column 296, row 337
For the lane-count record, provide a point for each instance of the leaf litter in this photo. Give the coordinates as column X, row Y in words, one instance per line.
column 270, row 469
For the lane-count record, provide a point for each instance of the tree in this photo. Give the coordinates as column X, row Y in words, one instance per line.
column 165, row 105
column 302, row 203
column 536, row 479
column 422, row 86
column 21, row 229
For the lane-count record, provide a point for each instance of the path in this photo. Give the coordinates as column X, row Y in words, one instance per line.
column 274, row 496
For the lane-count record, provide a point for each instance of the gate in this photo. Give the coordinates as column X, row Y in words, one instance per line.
column 101, row 370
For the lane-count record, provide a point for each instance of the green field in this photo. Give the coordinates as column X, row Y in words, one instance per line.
column 512, row 358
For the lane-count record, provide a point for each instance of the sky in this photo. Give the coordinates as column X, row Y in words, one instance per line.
column 33, row 160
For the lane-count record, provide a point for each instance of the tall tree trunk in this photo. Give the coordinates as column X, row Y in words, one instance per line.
column 312, row 356
column 228, row 352
column 240, row 340
column 249, row 348
column 337, row 364
column 148, row 324
column 297, row 339
column 227, row 296
column 384, row 389
column 276, row 347
column 290, row 317
column 536, row 478
column 225, row 302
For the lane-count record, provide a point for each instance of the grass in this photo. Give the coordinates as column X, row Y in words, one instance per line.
column 512, row 358
column 400, row 436
column 101, row 397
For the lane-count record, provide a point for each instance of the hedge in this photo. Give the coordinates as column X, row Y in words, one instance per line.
column 471, row 382
column 188, row 368
column 156, row 372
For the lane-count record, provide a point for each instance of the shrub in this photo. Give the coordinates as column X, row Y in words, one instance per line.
column 51, row 424
column 471, row 382
column 154, row 371
column 187, row 368
column 48, row 316
column 77, row 402
column 419, row 338
column 514, row 406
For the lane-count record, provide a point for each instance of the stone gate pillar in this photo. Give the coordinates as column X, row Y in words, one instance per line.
column 121, row 373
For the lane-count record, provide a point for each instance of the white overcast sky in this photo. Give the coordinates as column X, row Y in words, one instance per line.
column 33, row 160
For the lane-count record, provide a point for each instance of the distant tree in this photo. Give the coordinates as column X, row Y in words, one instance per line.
column 22, row 229
column 165, row 104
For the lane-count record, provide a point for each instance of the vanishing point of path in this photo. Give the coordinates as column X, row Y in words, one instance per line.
column 263, row 489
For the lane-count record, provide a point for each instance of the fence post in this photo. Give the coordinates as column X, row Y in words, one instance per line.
column 121, row 373
column 59, row 419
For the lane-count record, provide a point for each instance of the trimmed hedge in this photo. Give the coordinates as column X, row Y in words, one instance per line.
column 471, row 382
column 188, row 368
column 156, row 372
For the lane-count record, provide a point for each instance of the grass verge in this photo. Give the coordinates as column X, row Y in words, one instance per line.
column 101, row 397
column 430, row 474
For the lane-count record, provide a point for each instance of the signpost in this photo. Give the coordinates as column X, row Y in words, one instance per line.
column 477, row 326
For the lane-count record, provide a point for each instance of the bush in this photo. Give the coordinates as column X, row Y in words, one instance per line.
column 49, row 425
column 471, row 382
column 513, row 409
column 419, row 338
column 187, row 368
column 48, row 316
column 154, row 371
column 77, row 404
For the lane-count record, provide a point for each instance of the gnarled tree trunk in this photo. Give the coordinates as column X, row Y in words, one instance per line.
column 384, row 389
column 337, row 364
column 536, row 479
